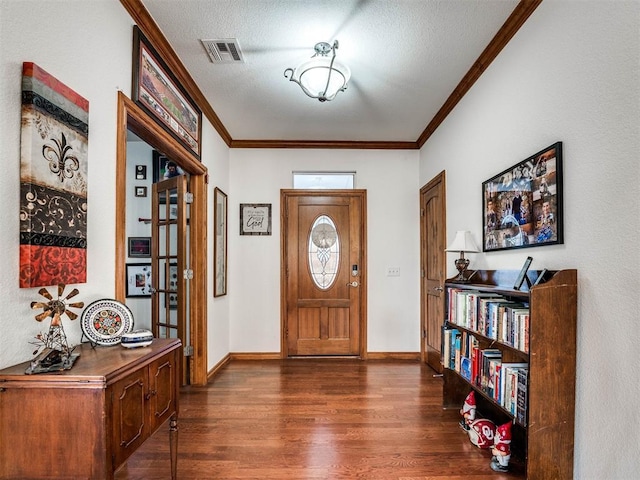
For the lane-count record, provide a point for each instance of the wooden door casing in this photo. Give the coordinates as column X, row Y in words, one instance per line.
column 325, row 322
column 432, row 246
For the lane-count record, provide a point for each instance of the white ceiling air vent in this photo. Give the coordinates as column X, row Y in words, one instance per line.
column 223, row 50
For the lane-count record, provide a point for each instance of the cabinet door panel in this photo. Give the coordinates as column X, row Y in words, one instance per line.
column 162, row 385
column 129, row 424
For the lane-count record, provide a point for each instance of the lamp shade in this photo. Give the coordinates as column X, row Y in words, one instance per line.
column 323, row 77
column 462, row 243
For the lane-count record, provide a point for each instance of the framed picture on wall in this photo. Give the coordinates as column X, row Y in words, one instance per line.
column 161, row 95
column 255, row 219
column 139, row 247
column 138, row 280
column 522, row 206
column 219, row 243
column 141, row 172
column 163, row 167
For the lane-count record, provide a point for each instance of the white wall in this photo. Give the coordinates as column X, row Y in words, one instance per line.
column 217, row 154
column 391, row 181
column 86, row 44
column 139, row 153
column 570, row 74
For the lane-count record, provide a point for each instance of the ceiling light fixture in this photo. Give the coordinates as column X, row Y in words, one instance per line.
column 321, row 77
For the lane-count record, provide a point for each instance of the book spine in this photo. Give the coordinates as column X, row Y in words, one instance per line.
column 521, row 407
column 457, row 354
column 446, row 347
column 497, row 382
column 525, row 335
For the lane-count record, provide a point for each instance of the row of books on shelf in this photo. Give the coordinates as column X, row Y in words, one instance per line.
column 504, row 382
column 491, row 315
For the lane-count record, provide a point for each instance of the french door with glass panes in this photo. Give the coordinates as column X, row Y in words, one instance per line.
column 170, row 271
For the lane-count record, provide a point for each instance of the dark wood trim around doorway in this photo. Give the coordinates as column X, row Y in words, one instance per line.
column 132, row 117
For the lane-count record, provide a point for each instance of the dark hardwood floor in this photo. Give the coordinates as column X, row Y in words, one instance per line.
column 316, row 419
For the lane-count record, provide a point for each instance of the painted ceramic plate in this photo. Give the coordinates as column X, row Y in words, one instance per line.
column 104, row 321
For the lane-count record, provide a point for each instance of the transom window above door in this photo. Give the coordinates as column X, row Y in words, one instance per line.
column 324, row 180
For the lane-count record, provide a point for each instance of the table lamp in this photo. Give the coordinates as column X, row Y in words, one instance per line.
column 462, row 243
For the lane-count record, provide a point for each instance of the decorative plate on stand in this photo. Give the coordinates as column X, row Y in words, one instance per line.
column 104, row 321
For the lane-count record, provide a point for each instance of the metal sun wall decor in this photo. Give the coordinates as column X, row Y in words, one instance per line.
column 55, row 352
column 53, row 181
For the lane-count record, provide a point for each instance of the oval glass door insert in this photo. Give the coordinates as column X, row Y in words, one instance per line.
column 324, row 252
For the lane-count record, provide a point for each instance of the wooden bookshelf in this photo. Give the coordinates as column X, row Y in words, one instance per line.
column 543, row 448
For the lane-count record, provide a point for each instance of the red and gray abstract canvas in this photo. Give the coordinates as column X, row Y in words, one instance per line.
column 53, row 181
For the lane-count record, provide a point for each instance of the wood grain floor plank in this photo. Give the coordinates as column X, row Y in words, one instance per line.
column 318, row 419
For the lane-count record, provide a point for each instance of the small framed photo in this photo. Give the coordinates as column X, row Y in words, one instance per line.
column 140, row 247
column 522, row 276
column 255, row 219
column 141, row 191
column 138, row 280
column 141, row 172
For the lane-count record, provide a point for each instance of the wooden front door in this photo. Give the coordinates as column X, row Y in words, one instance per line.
column 323, row 272
column 432, row 254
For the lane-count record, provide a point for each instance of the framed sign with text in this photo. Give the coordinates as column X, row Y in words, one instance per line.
column 255, row 219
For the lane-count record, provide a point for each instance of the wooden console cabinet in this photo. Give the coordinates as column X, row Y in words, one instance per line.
column 84, row 423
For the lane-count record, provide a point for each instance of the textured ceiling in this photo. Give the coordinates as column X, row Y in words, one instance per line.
column 406, row 58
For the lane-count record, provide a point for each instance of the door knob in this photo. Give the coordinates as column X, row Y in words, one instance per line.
column 439, row 289
column 353, row 284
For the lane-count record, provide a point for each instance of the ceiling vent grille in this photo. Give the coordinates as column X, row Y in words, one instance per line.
column 223, row 50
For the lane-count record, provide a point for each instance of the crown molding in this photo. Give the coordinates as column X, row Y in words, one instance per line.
column 328, row 144
column 143, row 19
column 520, row 14
column 149, row 27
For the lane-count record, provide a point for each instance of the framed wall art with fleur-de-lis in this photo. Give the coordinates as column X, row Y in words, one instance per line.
column 53, row 181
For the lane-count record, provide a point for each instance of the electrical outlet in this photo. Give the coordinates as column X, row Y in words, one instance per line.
column 393, row 272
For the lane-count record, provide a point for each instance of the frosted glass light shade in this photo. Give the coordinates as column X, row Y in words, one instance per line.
column 313, row 76
column 321, row 77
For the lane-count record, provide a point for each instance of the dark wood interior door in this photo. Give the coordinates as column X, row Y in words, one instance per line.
column 323, row 272
column 432, row 239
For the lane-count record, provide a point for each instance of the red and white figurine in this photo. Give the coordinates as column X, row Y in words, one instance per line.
column 482, row 432
column 468, row 411
column 501, row 448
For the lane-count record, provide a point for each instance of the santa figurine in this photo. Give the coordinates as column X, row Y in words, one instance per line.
column 501, row 448
column 468, row 411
